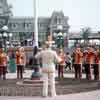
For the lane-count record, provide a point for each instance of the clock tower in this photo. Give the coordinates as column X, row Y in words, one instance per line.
column 5, row 13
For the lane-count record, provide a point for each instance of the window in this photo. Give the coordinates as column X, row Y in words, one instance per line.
column 55, row 20
column 14, row 25
column 1, row 11
column 27, row 25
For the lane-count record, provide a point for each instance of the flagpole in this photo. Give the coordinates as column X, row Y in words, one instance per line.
column 35, row 23
column 36, row 73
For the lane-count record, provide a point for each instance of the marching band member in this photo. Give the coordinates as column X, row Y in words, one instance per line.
column 78, row 63
column 61, row 64
column 20, row 61
column 88, row 61
column 3, row 63
column 96, row 64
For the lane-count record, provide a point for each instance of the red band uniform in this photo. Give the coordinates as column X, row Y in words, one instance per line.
column 61, row 65
column 78, row 63
column 3, row 64
column 20, row 61
column 96, row 64
column 88, row 61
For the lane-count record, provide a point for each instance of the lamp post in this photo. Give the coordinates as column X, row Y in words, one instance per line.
column 59, row 39
column 10, row 37
column 35, row 23
column 4, row 35
column 0, row 40
column 36, row 73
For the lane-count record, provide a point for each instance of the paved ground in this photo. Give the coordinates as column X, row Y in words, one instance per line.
column 66, row 86
column 28, row 73
column 94, row 95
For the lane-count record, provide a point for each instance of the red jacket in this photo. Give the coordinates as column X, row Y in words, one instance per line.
column 89, row 58
column 62, row 56
column 97, row 57
column 3, row 59
column 20, row 58
column 78, row 57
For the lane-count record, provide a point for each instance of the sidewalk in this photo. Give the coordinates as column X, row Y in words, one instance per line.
column 94, row 95
column 28, row 73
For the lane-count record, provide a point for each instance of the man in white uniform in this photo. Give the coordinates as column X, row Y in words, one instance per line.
column 48, row 57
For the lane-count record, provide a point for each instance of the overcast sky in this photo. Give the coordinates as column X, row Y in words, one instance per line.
column 81, row 13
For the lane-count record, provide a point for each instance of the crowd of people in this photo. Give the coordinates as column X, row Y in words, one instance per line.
column 79, row 60
column 20, row 60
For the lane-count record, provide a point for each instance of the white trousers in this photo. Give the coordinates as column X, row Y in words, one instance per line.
column 49, row 79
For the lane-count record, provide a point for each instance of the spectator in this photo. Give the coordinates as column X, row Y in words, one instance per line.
column 68, row 61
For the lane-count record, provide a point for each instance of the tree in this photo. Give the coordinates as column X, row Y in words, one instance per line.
column 85, row 33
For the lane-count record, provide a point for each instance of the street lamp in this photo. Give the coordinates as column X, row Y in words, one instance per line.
column 0, row 40
column 5, row 28
column 10, row 37
column 4, row 35
column 36, row 22
column 59, row 38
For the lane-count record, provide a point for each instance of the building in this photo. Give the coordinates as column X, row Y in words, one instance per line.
column 5, row 12
column 23, row 27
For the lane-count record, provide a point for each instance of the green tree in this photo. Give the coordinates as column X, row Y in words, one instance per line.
column 85, row 33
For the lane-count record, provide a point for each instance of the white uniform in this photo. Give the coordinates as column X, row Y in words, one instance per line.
column 48, row 57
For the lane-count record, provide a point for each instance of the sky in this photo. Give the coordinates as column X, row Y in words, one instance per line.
column 81, row 13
